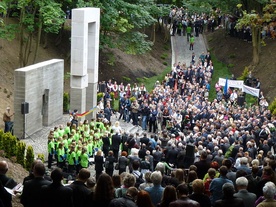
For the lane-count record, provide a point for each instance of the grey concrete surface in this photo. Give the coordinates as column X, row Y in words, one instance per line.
column 180, row 48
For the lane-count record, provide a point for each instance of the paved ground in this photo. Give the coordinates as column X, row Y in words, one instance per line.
column 180, row 49
column 180, row 53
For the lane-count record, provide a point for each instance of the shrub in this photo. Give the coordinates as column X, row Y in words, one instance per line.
column 166, row 47
column 165, row 63
column 66, row 102
column 230, row 65
column 232, row 56
column 244, row 74
column 112, row 100
column 164, row 56
column 29, row 157
column 126, row 79
column 20, row 153
column 1, row 139
column 272, row 107
column 9, row 144
column 99, row 96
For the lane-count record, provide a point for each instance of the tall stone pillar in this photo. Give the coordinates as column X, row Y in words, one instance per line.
column 84, row 58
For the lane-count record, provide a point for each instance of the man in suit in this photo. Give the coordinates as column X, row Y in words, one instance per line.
column 81, row 194
column 55, row 194
column 5, row 181
column 107, row 112
column 144, row 140
column 247, row 197
column 32, row 191
column 115, row 144
column 202, row 165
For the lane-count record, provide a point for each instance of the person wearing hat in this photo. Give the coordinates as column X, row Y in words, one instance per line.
column 7, row 119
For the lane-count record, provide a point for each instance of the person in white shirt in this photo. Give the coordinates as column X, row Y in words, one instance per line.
column 233, row 96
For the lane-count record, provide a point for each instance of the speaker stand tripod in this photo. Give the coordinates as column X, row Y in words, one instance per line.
column 25, row 134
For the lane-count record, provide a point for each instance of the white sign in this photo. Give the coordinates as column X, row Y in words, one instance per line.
column 239, row 84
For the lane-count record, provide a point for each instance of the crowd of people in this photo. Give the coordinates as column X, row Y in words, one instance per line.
column 193, row 151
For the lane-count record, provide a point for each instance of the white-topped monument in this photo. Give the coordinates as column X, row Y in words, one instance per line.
column 84, row 58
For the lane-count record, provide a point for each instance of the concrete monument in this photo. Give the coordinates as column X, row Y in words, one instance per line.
column 38, row 98
column 84, row 58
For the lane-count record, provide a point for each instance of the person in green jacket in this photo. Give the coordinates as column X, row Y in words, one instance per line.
column 71, row 158
column 61, row 155
column 192, row 42
column 84, row 158
column 189, row 32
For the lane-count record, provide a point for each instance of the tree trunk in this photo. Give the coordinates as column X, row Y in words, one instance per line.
column 153, row 33
column 256, row 45
column 38, row 37
column 21, row 36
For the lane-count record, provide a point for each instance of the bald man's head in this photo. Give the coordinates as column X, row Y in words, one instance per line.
column 3, row 167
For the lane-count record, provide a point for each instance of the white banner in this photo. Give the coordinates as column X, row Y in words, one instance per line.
column 231, row 83
column 250, row 90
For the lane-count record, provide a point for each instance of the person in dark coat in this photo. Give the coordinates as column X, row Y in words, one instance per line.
column 116, row 141
column 107, row 112
column 144, row 140
column 32, row 192
column 55, row 194
column 183, row 199
column 228, row 197
column 109, row 163
column 202, row 165
column 99, row 161
column 171, row 156
column 81, row 193
column 106, row 144
column 122, row 162
column 5, row 181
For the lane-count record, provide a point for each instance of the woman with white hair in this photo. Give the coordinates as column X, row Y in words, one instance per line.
column 269, row 191
column 117, row 128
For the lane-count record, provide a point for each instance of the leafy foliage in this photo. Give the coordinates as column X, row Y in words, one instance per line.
column 272, row 107
column 29, row 157
column 20, row 153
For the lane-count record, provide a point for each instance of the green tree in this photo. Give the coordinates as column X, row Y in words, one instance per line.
column 34, row 17
column 29, row 157
column 123, row 24
column 20, row 153
column 256, row 20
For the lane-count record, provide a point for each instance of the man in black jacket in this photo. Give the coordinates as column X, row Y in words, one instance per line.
column 55, row 194
column 32, row 191
column 126, row 201
column 116, row 141
column 81, row 194
column 7, row 182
